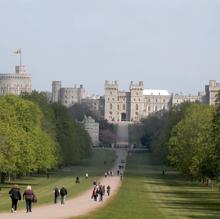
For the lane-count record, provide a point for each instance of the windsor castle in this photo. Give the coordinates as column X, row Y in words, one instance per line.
column 129, row 106
column 115, row 105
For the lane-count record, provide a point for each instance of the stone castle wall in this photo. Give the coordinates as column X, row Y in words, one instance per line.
column 16, row 83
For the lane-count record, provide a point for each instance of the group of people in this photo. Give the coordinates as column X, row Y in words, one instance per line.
column 60, row 192
column 15, row 196
column 99, row 191
column 109, row 173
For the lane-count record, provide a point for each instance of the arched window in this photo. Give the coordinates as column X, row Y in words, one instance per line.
column 136, row 106
column 110, row 106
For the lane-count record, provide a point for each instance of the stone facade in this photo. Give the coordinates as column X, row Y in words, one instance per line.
column 16, row 83
column 67, row 96
column 181, row 98
column 92, row 128
column 211, row 91
column 130, row 106
column 95, row 103
column 133, row 105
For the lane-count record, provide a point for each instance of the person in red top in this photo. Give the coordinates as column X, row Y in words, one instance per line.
column 29, row 196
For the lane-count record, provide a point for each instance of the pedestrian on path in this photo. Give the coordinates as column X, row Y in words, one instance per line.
column 56, row 195
column 15, row 196
column 108, row 190
column 63, row 194
column 29, row 197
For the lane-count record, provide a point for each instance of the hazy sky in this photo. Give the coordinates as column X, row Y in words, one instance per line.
column 169, row 44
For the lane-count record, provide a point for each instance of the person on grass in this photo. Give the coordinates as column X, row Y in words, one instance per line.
column 15, row 196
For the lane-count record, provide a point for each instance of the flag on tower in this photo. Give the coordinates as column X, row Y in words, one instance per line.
column 17, row 51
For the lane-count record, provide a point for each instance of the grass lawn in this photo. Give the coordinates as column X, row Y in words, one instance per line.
column 147, row 194
column 43, row 187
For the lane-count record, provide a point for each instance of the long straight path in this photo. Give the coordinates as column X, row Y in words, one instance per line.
column 75, row 207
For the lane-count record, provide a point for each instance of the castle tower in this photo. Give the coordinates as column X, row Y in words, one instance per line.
column 56, row 86
column 136, row 101
column 111, row 101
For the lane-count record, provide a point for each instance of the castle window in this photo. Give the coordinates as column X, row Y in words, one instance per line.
column 136, row 113
column 118, row 107
column 110, row 106
column 149, row 108
column 134, row 99
column 155, row 108
column 123, row 106
column 136, row 106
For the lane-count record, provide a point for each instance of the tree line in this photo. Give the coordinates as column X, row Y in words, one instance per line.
column 186, row 137
column 37, row 136
column 107, row 131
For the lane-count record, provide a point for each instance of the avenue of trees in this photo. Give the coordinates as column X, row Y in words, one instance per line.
column 37, row 136
column 186, row 137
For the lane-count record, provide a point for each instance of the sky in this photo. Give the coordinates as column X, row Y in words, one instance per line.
column 168, row 44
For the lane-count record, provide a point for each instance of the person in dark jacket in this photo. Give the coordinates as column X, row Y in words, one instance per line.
column 15, row 196
column 63, row 194
column 29, row 196
column 56, row 194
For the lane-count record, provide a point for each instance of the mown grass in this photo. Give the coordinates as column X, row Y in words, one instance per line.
column 147, row 194
column 43, row 186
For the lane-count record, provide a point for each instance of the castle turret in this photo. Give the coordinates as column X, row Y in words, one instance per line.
column 56, row 86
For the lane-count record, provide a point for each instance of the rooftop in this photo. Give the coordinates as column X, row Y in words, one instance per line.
column 156, row 92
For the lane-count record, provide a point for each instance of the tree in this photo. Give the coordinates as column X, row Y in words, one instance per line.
column 191, row 149
column 22, row 137
column 216, row 129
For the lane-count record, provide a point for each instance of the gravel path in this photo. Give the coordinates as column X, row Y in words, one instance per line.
column 77, row 206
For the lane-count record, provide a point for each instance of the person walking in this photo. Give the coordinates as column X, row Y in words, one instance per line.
column 63, row 194
column 108, row 190
column 56, row 195
column 15, row 196
column 29, row 197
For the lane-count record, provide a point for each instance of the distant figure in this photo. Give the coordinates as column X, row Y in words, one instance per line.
column 56, row 195
column 94, row 183
column 163, row 172
column 87, row 175
column 95, row 193
column 29, row 197
column 15, row 196
column 108, row 190
column 118, row 172
column 77, row 180
column 100, row 191
column 112, row 173
column 106, row 174
column 63, row 194
column 121, row 176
